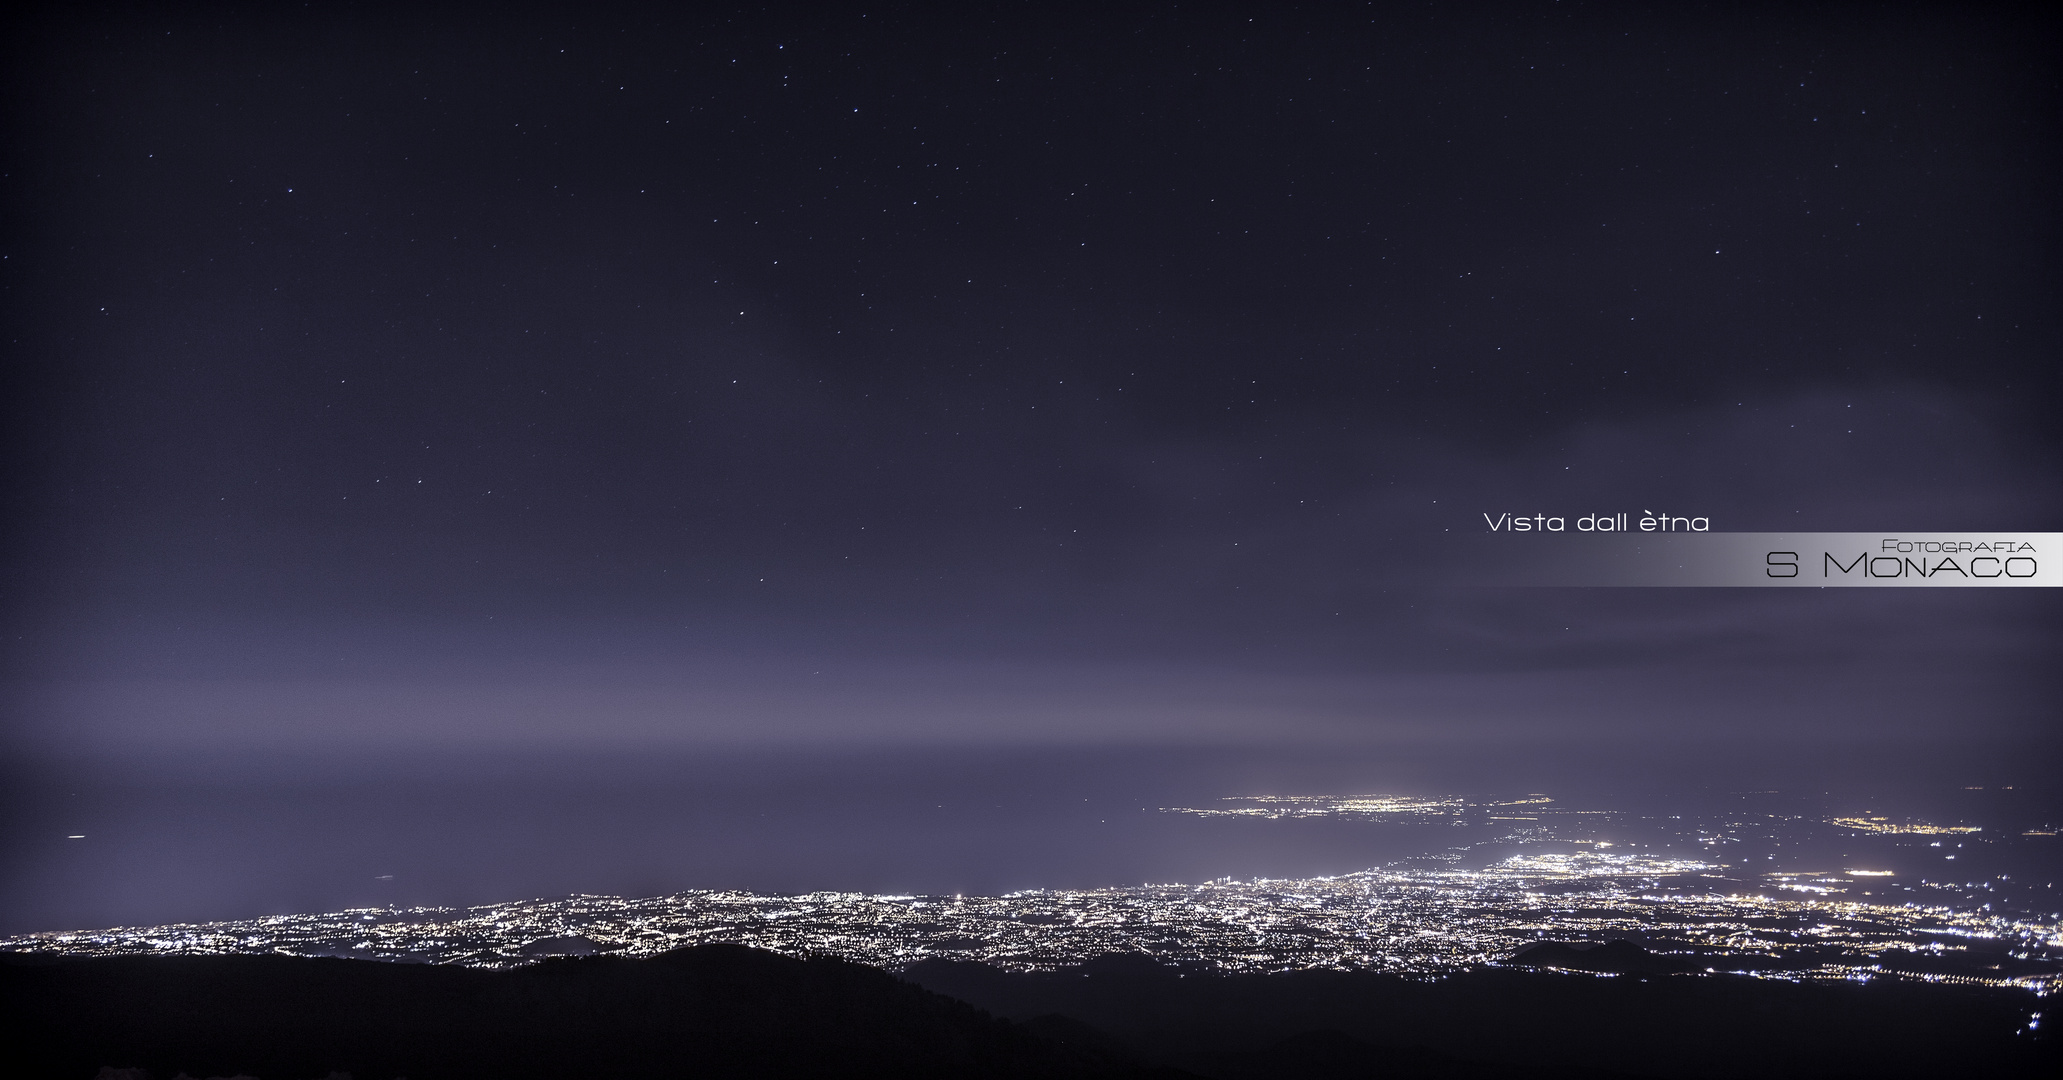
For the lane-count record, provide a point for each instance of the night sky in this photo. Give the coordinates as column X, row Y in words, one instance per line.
column 409, row 384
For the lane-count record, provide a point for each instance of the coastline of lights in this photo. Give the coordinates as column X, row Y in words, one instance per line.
column 1419, row 920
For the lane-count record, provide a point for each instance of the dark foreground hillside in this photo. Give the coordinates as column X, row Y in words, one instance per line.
column 726, row 1011
column 712, row 1011
column 1526, row 1022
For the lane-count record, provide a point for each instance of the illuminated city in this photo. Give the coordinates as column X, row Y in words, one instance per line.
column 1685, row 889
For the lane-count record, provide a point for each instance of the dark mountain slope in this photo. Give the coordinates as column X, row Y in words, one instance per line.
column 709, row 1011
column 1520, row 1022
column 725, row 1011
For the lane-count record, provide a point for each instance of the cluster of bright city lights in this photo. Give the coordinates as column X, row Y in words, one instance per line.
column 1706, row 892
column 1425, row 916
column 1907, row 828
column 1362, row 806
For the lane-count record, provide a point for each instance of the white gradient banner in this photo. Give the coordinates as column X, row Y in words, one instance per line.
column 1813, row 560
